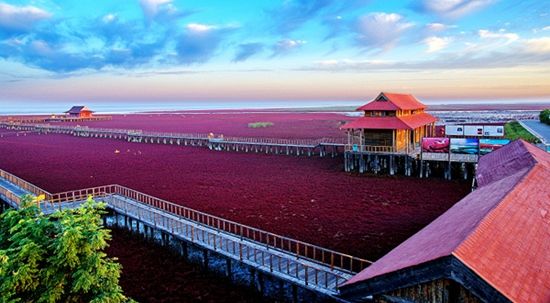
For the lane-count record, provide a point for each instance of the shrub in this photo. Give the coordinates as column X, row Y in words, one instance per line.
column 513, row 131
column 544, row 116
column 260, row 124
column 57, row 257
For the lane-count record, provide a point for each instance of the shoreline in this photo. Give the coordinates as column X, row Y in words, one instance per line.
column 316, row 109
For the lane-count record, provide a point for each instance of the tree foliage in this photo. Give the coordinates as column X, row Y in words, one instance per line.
column 58, row 257
column 544, row 116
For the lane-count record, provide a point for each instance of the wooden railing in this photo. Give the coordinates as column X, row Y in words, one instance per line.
column 300, row 249
column 10, row 196
column 191, row 136
column 379, row 149
column 23, row 184
column 370, row 148
column 245, row 250
column 270, row 141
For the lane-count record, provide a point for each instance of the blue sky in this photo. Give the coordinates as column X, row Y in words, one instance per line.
column 173, row 50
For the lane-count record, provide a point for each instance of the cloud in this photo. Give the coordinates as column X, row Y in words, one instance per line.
column 293, row 14
column 451, row 8
column 546, row 28
column 68, row 45
column 500, row 35
column 336, row 26
column 109, row 18
column 40, row 53
column 160, row 11
column 285, row 46
column 438, row 27
column 247, row 50
column 17, row 19
column 538, row 45
column 514, row 57
column 199, row 42
column 380, row 30
column 436, row 44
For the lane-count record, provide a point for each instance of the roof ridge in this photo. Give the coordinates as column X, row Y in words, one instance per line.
column 538, row 155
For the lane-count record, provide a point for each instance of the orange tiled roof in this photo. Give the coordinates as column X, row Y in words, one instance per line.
column 501, row 231
column 404, row 122
column 393, row 102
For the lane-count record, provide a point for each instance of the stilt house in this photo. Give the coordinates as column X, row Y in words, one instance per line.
column 392, row 123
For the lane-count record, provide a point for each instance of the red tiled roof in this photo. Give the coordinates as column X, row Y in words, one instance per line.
column 501, row 231
column 417, row 120
column 405, row 122
column 394, row 102
column 78, row 109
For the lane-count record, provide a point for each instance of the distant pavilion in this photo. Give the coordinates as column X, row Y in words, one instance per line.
column 392, row 123
column 79, row 112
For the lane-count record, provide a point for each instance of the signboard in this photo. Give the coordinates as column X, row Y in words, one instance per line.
column 435, row 156
column 473, row 130
column 454, row 130
column 435, row 145
column 493, row 131
column 469, row 146
column 488, row 145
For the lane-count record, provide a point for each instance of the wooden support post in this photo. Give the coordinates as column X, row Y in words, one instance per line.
column 184, row 249
column 228, row 271
column 281, row 290
column 294, row 293
column 261, row 283
column 252, row 277
column 205, row 258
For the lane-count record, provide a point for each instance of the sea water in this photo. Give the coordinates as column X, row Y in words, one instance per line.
column 121, row 107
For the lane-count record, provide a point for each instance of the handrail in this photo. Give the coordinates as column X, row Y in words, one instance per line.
column 23, row 183
column 378, row 149
column 300, row 249
column 170, row 135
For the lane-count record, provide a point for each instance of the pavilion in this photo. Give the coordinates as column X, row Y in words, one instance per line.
column 392, row 124
column 79, row 112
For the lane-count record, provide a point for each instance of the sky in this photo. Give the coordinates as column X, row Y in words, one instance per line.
column 267, row 50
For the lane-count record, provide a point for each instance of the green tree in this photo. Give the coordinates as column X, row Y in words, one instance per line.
column 544, row 116
column 58, row 257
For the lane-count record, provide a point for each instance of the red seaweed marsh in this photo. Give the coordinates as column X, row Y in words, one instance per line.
column 294, row 125
column 178, row 281
column 310, row 199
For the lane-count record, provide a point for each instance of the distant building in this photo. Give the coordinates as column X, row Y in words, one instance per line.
column 392, row 123
column 79, row 112
column 492, row 246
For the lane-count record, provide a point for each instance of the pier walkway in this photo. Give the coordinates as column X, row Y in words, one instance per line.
column 309, row 147
column 308, row 266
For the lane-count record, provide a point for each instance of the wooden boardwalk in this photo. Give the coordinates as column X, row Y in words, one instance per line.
column 306, row 265
column 321, row 147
